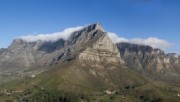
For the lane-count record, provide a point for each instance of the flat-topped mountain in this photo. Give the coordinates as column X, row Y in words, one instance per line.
column 147, row 58
column 92, row 46
column 89, row 65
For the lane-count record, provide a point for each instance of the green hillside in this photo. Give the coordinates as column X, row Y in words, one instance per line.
column 70, row 82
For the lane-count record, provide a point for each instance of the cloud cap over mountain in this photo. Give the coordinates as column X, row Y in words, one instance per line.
column 65, row 34
column 151, row 41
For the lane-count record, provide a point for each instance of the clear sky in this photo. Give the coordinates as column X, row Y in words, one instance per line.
column 127, row 18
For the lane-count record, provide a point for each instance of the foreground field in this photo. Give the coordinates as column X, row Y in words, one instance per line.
column 72, row 83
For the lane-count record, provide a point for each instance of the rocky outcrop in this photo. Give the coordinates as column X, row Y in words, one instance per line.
column 17, row 55
column 22, row 55
column 146, row 58
column 101, row 52
column 92, row 47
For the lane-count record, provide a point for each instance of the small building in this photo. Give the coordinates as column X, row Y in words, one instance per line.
column 33, row 76
column 109, row 92
column 178, row 95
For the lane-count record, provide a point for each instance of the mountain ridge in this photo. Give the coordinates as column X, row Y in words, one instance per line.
column 90, row 65
column 42, row 53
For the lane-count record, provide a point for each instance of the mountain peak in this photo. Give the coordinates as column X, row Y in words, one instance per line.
column 94, row 26
column 98, row 26
column 18, row 42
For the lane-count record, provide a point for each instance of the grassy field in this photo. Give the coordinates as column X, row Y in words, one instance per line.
column 70, row 82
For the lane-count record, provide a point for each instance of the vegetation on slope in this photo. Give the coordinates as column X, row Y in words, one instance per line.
column 70, row 82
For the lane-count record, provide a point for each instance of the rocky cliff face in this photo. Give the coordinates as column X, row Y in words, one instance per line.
column 102, row 51
column 146, row 58
column 92, row 47
column 17, row 55
column 89, row 45
column 22, row 55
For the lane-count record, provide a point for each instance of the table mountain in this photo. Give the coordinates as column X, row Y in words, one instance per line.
column 88, row 67
column 92, row 46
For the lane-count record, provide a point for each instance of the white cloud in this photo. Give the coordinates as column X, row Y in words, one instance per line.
column 151, row 41
column 116, row 39
column 52, row 37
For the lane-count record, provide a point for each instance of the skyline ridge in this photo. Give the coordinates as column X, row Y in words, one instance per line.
column 129, row 19
column 65, row 34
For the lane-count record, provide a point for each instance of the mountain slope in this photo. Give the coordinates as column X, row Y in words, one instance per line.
column 147, row 58
column 95, row 85
column 91, row 44
column 89, row 67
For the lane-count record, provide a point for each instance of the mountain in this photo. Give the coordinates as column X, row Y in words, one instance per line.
column 146, row 58
column 91, row 44
column 153, row 62
column 22, row 55
column 89, row 65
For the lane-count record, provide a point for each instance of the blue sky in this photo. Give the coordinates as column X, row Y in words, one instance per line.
column 127, row 18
